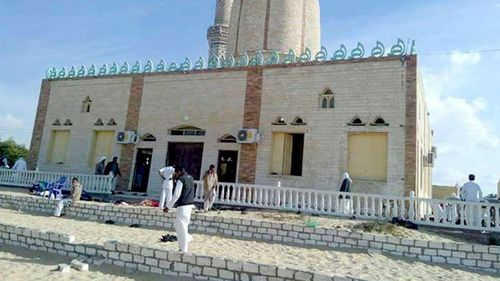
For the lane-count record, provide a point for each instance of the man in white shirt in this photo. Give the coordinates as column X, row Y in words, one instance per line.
column 182, row 199
column 167, row 186
column 471, row 192
column 20, row 164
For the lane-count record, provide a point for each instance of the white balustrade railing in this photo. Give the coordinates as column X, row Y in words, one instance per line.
column 423, row 211
column 90, row 183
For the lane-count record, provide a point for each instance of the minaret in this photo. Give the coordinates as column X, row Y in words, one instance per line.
column 279, row 25
column 217, row 34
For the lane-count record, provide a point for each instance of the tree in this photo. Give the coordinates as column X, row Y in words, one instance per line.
column 12, row 150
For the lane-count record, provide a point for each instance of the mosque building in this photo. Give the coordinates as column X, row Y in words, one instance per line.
column 269, row 105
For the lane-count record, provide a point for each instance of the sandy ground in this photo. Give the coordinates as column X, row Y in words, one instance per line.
column 302, row 219
column 356, row 263
column 18, row 264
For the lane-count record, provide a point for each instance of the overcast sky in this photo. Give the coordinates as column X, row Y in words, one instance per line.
column 462, row 88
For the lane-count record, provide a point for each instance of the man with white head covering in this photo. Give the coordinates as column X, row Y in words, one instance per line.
column 182, row 199
column 345, row 202
column 167, row 186
column 99, row 167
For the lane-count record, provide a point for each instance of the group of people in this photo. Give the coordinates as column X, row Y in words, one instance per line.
column 111, row 168
column 19, row 165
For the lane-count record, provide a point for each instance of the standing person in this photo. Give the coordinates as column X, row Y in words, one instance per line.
column 471, row 192
column 210, row 181
column 112, row 167
column 167, row 186
column 4, row 162
column 99, row 167
column 345, row 202
column 76, row 193
column 182, row 199
column 20, row 164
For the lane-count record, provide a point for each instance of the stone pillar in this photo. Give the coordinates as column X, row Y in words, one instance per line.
column 251, row 119
column 41, row 114
column 131, row 124
column 410, row 72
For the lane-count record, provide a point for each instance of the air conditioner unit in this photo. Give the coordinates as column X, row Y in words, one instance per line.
column 430, row 159
column 248, row 136
column 126, row 137
column 434, row 151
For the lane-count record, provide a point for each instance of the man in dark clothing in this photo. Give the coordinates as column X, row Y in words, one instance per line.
column 112, row 167
column 182, row 199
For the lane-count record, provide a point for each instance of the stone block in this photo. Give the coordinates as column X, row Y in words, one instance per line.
column 303, row 276
column 151, row 261
column 267, row 270
column 80, row 266
column 436, row 245
column 218, row 262
column 285, row 273
column 161, row 254
column 250, row 267
column 64, row 268
column 180, row 267
column 164, row 264
column 225, row 274
column 210, row 271
column 235, row 266
column 484, row 264
column 203, row 261
column 147, row 252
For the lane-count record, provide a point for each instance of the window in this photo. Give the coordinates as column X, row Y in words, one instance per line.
column 102, row 145
column 287, row 154
column 148, row 137
column 56, row 123
column 68, row 123
column 367, row 156
column 227, row 139
column 327, row 99
column 58, row 146
column 356, row 121
column 279, row 121
column 298, row 121
column 111, row 122
column 379, row 122
column 99, row 122
column 187, row 131
column 87, row 102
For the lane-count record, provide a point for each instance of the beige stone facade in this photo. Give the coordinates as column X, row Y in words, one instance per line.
column 220, row 102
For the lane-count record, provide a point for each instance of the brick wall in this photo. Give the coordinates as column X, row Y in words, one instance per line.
column 131, row 124
column 41, row 113
column 251, row 119
column 410, row 124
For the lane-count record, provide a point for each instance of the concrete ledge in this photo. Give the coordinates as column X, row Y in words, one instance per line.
column 145, row 259
column 476, row 256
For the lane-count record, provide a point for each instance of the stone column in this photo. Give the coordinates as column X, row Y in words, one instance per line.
column 131, row 124
column 251, row 119
column 41, row 113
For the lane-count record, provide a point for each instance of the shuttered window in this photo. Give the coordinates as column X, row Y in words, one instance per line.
column 102, row 146
column 58, row 146
column 367, row 156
